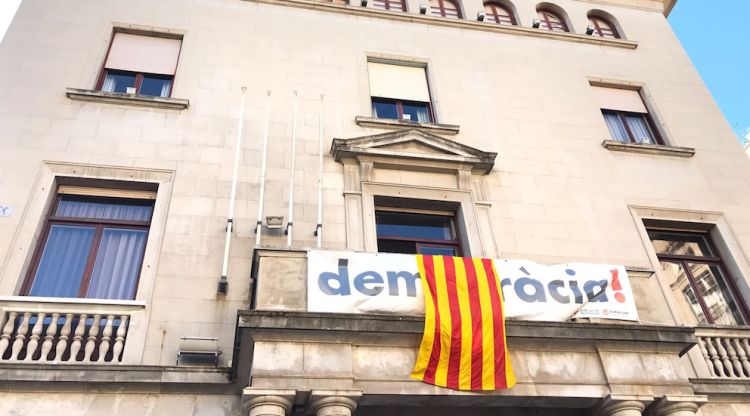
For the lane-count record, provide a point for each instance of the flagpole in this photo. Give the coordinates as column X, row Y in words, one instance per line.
column 223, row 283
column 319, row 227
column 261, row 196
column 290, row 221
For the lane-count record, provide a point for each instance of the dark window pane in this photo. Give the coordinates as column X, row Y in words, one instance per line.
column 63, row 261
column 716, row 295
column 417, row 226
column 640, row 129
column 397, row 246
column 416, row 112
column 382, row 108
column 82, row 207
column 680, row 244
column 156, row 85
column 616, row 127
column 437, row 250
column 118, row 264
column 118, row 81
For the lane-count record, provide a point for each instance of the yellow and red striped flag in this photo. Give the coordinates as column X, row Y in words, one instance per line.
column 463, row 346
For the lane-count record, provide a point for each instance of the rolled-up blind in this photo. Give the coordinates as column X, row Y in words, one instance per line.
column 399, row 82
column 620, row 100
column 105, row 192
column 140, row 53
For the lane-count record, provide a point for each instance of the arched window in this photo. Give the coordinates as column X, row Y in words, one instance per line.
column 393, row 5
column 602, row 27
column 499, row 13
column 552, row 21
column 445, row 8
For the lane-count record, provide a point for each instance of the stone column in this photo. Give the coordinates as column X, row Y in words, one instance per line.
column 267, row 402
column 677, row 406
column 622, row 405
column 334, row 402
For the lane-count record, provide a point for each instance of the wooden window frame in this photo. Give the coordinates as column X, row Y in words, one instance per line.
column 441, row 5
column 387, row 4
column 596, row 20
column 715, row 260
column 424, row 242
column 649, row 122
column 400, row 108
column 495, row 5
column 544, row 15
column 99, row 226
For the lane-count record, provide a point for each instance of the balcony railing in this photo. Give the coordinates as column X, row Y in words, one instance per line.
column 726, row 351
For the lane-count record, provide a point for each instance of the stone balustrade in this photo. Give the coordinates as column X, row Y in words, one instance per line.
column 726, row 351
column 38, row 333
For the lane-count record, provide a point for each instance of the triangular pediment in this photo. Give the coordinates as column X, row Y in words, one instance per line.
column 412, row 144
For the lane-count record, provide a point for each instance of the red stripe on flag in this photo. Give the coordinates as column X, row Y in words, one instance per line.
column 497, row 321
column 476, row 325
column 454, row 358
column 429, row 268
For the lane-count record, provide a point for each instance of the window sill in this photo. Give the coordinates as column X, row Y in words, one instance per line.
column 31, row 300
column 383, row 123
column 651, row 149
column 127, row 99
column 460, row 23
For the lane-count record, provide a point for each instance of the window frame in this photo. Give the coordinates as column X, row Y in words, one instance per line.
column 99, row 225
column 544, row 14
column 496, row 5
column 713, row 260
column 387, row 5
column 441, row 5
column 658, row 140
column 400, row 108
column 456, row 243
column 138, row 75
column 595, row 20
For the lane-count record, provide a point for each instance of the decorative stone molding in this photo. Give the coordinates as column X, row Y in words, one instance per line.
column 334, row 402
column 622, row 405
column 127, row 99
column 650, row 149
column 382, row 123
column 676, row 406
column 256, row 402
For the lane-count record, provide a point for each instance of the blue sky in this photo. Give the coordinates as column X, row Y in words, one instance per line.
column 715, row 35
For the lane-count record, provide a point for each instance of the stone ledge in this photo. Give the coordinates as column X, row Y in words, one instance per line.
column 459, row 23
column 651, row 149
column 390, row 124
column 126, row 99
column 723, row 386
column 680, row 338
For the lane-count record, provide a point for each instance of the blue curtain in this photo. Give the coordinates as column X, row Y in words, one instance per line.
column 103, row 210
column 118, row 264
column 616, row 128
column 63, row 261
column 640, row 129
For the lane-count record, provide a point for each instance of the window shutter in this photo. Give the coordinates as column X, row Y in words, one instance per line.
column 398, row 82
column 139, row 53
column 620, row 100
column 105, row 192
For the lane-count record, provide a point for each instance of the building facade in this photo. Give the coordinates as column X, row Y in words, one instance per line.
column 555, row 132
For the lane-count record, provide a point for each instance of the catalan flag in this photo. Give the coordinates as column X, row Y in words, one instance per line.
column 463, row 346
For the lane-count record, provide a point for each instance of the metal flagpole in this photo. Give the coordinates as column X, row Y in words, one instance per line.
column 223, row 283
column 319, row 227
column 290, row 222
column 259, row 222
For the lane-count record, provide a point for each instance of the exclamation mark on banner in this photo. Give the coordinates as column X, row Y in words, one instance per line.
column 617, row 286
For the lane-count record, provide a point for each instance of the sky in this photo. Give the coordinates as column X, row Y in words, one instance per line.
column 718, row 42
column 715, row 38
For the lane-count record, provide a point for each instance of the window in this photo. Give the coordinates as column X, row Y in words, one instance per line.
column 399, row 92
column 552, row 21
column 394, row 5
column 626, row 116
column 445, row 8
column 698, row 278
column 140, row 64
column 416, row 232
column 498, row 13
column 92, row 244
column 603, row 28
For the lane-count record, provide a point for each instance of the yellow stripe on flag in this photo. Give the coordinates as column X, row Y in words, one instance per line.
column 441, row 373
column 425, row 349
column 462, row 290
column 488, row 337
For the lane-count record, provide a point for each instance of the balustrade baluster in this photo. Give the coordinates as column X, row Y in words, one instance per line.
column 106, row 337
column 7, row 332
column 718, row 366
column 91, row 343
column 120, row 339
column 49, row 337
column 724, row 357
column 733, row 357
column 702, row 344
column 62, row 342
column 36, row 333
column 744, row 363
column 23, row 327
column 78, row 337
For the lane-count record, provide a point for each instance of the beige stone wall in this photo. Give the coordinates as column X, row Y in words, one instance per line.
column 555, row 194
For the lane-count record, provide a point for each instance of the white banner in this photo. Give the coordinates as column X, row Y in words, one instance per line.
column 384, row 283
